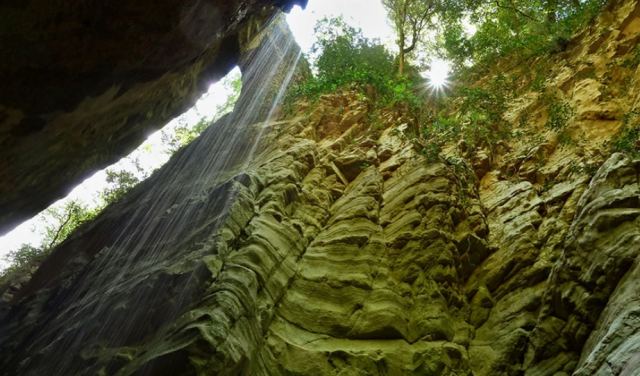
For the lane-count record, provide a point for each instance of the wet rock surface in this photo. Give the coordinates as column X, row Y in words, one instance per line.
column 85, row 83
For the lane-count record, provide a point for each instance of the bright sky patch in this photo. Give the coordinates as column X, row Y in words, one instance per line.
column 438, row 74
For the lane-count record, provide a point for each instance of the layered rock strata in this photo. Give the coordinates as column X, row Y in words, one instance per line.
column 346, row 252
column 340, row 250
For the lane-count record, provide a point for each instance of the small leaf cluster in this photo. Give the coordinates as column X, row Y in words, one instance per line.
column 628, row 139
column 559, row 113
column 184, row 134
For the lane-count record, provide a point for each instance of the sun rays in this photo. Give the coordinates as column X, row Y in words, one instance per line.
column 438, row 75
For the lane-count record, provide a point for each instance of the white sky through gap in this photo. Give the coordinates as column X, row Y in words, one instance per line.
column 151, row 154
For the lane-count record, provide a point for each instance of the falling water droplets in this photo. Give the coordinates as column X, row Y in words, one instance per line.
column 143, row 276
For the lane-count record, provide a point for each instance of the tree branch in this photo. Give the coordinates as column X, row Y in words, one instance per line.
column 514, row 8
column 55, row 238
column 417, row 24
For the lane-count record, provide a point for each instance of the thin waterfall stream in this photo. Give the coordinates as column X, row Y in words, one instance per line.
column 128, row 291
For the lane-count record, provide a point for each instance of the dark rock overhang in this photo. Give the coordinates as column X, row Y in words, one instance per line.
column 84, row 84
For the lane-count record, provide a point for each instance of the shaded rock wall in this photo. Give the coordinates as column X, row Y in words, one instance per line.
column 559, row 256
column 139, row 267
column 83, row 83
column 343, row 251
column 563, row 216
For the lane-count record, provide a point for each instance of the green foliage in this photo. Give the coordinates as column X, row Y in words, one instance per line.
column 431, row 150
column 564, row 138
column 482, row 110
column 183, row 135
column 119, row 183
column 344, row 57
column 538, row 84
column 463, row 174
column 559, row 113
column 61, row 222
column 473, row 115
column 634, row 60
column 435, row 134
column 517, row 28
column 234, row 87
column 22, row 259
column 628, row 139
column 410, row 18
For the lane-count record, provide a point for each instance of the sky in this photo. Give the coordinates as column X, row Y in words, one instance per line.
column 369, row 15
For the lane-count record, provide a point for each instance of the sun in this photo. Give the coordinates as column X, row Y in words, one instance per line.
column 438, row 74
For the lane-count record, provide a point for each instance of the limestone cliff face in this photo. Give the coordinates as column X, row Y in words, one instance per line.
column 84, row 83
column 563, row 219
column 340, row 250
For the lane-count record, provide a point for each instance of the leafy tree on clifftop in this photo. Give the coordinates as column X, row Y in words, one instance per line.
column 410, row 18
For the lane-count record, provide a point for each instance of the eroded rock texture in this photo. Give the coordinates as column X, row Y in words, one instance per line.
column 559, row 257
column 330, row 258
column 83, row 83
column 340, row 250
column 346, row 252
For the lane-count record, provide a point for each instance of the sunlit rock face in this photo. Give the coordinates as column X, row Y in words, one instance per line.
column 84, row 83
column 338, row 249
column 343, row 251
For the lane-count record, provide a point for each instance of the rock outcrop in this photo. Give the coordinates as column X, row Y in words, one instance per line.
column 84, row 83
column 338, row 249
column 347, row 253
column 329, row 257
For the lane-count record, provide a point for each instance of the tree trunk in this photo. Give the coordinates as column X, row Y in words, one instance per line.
column 401, row 55
column 552, row 10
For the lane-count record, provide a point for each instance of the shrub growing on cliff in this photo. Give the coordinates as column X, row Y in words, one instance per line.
column 472, row 115
column 23, row 259
column 628, row 139
column 343, row 57
column 559, row 113
column 61, row 222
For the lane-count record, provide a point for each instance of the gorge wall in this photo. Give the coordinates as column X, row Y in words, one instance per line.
column 342, row 250
column 84, row 83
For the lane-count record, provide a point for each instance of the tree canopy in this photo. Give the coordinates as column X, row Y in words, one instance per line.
column 521, row 27
column 343, row 57
column 518, row 28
